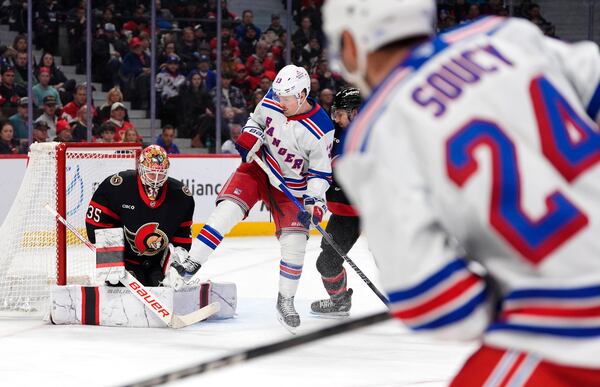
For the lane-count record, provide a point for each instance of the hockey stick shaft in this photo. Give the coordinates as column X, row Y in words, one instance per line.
column 326, row 236
column 140, row 292
column 263, row 350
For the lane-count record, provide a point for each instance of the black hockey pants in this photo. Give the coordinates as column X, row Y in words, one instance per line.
column 344, row 230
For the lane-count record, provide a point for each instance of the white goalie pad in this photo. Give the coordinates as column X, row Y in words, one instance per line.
column 117, row 307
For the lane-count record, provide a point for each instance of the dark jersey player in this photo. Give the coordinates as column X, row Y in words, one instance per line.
column 153, row 209
column 343, row 225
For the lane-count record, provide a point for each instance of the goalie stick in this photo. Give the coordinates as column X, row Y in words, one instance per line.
column 326, row 236
column 243, row 356
column 142, row 293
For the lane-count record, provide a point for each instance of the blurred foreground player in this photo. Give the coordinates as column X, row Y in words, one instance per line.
column 294, row 137
column 343, row 225
column 154, row 211
column 475, row 168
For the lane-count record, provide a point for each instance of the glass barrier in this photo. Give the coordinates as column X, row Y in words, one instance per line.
column 178, row 88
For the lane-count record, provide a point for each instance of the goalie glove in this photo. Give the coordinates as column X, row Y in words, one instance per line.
column 181, row 267
column 187, row 268
column 314, row 210
column 249, row 142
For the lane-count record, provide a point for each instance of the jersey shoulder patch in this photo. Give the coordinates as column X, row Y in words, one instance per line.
column 116, row 180
column 177, row 187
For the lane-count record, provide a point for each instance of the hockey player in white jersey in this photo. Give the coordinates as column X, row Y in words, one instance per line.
column 475, row 165
column 294, row 137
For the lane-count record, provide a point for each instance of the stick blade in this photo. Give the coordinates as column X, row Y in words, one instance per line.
column 194, row 317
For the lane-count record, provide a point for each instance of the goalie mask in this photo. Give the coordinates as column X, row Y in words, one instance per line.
column 153, row 167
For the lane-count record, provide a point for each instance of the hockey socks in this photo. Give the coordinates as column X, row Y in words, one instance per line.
column 289, row 275
column 210, row 237
column 335, row 285
column 293, row 246
column 221, row 221
column 340, row 298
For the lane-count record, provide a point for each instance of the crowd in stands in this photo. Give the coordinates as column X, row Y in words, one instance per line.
column 186, row 77
column 452, row 13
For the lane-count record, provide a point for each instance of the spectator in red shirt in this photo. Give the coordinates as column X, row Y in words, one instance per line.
column 227, row 40
column 241, row 81
column 256, row 72
column 262, row 53
column 64, row 133
column 117, row 119
column 70, row 110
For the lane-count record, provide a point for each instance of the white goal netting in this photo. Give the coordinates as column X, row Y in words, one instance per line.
column 30, row 241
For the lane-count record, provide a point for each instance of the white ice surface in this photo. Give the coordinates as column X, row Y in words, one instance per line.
column 33, row 353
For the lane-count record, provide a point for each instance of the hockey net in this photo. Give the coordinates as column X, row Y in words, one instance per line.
column 36, row 251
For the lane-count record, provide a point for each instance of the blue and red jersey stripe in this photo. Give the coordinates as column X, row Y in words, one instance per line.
column 314, row 174
column 445, row 297
column 210, row 237
column 566, row 312
column 272, row 104
column 312, row 128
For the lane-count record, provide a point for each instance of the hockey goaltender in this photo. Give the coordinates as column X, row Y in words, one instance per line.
column 140, row 223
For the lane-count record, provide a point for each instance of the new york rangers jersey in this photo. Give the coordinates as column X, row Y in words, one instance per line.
column 475, row 165
column 298, row 148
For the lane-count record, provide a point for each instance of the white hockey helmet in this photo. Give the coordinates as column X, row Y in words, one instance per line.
column 291, row 80
column 373, row 24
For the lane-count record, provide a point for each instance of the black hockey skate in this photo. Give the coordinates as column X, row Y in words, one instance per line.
column 286, row 313
column 334, row 307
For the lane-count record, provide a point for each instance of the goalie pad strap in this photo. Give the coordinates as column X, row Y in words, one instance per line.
column 116, row 264
column 90, row 305
column 204, row 294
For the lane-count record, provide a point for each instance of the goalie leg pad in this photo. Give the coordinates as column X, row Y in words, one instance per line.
column 117, row 307
column 190, row 299
column 107, row 306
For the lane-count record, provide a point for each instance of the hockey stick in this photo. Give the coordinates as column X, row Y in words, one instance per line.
column 263, row 350
column 142, row 293
column 326, row 236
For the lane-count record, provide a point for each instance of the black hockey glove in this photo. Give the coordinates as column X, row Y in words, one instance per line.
column 187, row 268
